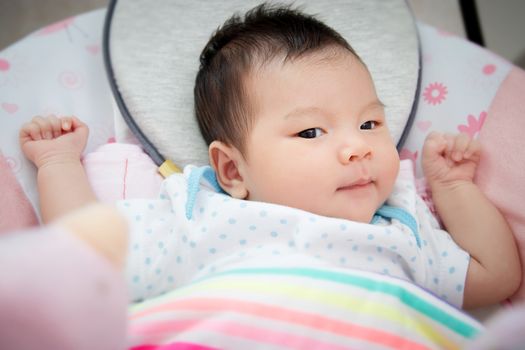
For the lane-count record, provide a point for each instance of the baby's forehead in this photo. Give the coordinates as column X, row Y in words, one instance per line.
column 314, row 60
column 308, row 63
column 324, row 55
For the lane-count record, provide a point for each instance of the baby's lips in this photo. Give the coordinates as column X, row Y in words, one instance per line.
column 356, row 183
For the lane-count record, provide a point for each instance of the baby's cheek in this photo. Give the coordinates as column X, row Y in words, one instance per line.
column 389, row 173
column 301, row 193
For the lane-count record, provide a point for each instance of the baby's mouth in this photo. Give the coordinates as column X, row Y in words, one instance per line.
column 361, row 183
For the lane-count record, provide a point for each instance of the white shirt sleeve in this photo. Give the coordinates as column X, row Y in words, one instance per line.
column 446, row 262
column 156, row 234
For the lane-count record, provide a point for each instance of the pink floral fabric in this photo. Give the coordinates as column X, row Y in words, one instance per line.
column 501, row 170
column 55, row 70
column 456, row 90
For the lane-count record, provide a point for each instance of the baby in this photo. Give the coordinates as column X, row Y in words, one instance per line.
column 304, row 173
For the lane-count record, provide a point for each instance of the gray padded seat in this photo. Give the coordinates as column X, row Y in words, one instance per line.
column 153, row 50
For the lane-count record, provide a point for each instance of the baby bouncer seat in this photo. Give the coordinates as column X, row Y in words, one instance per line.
column 141, row 77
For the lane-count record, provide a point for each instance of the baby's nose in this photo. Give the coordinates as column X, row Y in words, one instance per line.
column 355, row 151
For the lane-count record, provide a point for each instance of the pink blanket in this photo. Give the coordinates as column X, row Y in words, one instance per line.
column 501, row 172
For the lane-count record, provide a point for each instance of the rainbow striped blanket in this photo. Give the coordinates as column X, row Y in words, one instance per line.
column 298, row 308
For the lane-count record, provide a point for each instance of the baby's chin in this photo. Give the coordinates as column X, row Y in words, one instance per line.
column 361, row 216
column 364, row 218
column 362, row 212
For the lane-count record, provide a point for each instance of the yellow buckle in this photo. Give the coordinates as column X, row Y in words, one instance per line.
column 167, row 168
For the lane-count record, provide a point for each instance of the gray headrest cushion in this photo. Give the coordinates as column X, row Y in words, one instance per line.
column 155, row 48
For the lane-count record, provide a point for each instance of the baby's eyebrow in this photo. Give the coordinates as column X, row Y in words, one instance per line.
column 301, row 111
column 372, row 105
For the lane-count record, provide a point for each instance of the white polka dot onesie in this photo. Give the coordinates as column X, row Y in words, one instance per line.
column 168, row 250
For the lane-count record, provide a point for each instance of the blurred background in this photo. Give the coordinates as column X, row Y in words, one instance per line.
column 500, row 24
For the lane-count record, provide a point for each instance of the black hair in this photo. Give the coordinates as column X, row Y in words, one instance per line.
column 222, row 105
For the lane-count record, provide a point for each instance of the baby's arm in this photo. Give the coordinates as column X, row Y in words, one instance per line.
column 476, row 225
column 55, row 146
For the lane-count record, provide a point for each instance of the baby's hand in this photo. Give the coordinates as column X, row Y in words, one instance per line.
column 51, row 139
column 449, row 159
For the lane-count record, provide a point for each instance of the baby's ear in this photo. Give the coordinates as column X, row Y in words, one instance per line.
column 225, row 160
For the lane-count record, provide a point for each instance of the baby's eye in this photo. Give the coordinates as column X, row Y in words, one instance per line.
column 369, row 125
column 311, row 133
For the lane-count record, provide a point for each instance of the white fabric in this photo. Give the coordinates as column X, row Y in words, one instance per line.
column 167, row 250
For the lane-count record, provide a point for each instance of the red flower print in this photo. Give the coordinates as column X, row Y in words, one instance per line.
column 489, row 69
column 4, row 65
column 14, row 164
column 57, row 27
column 14, row 69
column 473, row 125
column 67, row 25
column 10, row 108
column 435, row 93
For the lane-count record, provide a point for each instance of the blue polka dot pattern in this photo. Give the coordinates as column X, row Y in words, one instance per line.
column 167, row 251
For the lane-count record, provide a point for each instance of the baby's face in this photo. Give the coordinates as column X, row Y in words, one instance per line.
column 320, row 141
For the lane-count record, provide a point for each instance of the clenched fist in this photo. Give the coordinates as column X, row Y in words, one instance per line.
column 50, row 139
column 448, row 159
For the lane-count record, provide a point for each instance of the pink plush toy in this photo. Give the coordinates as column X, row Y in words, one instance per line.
column 61, row 286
